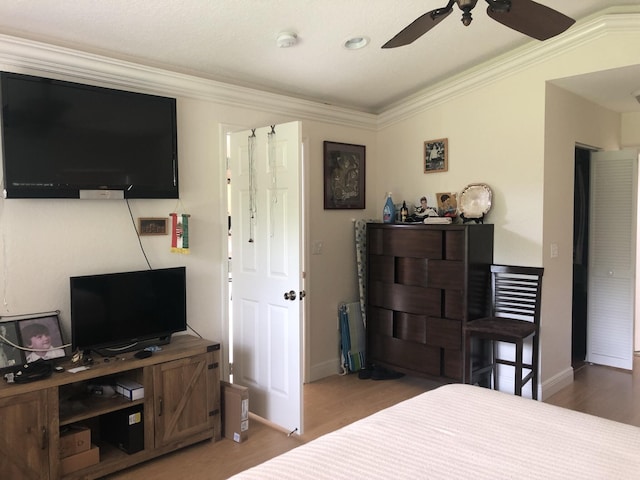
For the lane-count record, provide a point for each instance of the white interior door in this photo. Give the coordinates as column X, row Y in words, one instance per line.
column 612, row 258
column 267, row 275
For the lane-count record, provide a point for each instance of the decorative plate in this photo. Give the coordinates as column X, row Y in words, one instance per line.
column 475, row 200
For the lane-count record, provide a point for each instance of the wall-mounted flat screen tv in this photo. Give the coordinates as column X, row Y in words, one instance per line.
column 117, row 312
column 68, row 140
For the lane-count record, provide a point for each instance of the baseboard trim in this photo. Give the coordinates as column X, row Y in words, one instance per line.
column 324, row 369
column 555, row 383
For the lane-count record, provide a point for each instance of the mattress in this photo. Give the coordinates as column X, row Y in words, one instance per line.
column 464, row 431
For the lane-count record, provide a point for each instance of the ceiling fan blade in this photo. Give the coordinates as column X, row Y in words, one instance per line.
column 531, row 18
column 419, row 27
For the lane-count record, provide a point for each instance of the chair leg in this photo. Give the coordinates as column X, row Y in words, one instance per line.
column 518, row 372
column 534, row 367
column 494, row 364
column 467, row 362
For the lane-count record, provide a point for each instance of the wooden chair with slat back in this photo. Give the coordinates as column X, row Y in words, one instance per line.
column 514, row 318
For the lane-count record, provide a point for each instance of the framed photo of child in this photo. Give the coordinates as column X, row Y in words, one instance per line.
column 447, row 204
column 41, row 338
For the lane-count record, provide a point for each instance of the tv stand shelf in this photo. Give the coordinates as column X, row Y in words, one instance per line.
column 93, row 406
column 181, row 406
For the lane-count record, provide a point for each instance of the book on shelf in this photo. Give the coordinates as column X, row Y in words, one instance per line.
column 437, row 220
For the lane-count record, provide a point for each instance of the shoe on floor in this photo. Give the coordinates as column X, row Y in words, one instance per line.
column 381, row 373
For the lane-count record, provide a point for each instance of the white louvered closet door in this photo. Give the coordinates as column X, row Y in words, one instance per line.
column 612, row 254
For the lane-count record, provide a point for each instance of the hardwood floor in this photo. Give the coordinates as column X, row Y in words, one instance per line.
column 336, row 401
column 330, row 403
column 604, row 392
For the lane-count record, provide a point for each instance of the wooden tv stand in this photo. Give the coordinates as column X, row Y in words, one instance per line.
column 181, row 406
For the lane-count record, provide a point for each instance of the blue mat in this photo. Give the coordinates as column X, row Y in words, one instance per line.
column 352, row 337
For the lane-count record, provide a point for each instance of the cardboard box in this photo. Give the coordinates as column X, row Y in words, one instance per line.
column 74, row 439
column 80, row 460
column 130, row 389
column 235, row 411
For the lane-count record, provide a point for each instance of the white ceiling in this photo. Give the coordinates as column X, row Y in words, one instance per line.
column 234, row 41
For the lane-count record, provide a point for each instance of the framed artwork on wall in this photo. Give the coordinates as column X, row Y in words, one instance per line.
column 152, row 226
column 436, row 155
column 344, row 176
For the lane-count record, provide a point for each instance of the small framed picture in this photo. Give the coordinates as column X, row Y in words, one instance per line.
column 152, row 226
column 344, row 176
column 11, row 357
column 436, row 155
column 41, row 338
column 447, row 204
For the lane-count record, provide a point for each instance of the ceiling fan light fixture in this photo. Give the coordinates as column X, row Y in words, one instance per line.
column 525, row 16
column 356, row 43
column 466, row 6
column 466, row 18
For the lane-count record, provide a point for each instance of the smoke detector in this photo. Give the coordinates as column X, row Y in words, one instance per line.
column 356, row 43
column 286, row 39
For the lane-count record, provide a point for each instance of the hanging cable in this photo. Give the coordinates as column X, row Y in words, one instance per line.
column 138, row 235
column 273, row 175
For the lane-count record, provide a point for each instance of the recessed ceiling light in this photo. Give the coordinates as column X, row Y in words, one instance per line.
column 356, row 43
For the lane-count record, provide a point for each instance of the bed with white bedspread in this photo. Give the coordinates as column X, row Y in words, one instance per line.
column 463, row 431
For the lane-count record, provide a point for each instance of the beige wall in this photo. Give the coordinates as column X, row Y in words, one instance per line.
column 332, row 276
column 517, row 134
column 44, row 242
column 630, row 130
column 570, row 120
column 505, row 127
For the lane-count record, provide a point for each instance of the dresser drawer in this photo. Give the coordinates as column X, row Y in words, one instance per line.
column 444, row 333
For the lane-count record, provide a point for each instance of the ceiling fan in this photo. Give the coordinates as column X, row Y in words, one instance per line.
column 525, row 16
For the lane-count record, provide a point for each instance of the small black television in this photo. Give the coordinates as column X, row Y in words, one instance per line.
column 120, row 312
column 68, row 140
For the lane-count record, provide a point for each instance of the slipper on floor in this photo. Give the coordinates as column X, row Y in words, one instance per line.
column 381, row 373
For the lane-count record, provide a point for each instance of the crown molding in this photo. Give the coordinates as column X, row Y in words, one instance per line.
column 28, row 56
column 613, row 20
column 36, row 58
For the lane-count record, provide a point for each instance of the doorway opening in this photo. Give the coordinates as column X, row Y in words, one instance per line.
column 605, row 254
column 580, row 256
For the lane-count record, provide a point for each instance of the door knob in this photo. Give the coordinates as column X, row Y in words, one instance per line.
column 290, row 295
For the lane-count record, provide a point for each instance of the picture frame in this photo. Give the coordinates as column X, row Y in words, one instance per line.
column 436, row 155
column 11, row 357
column 344, row 176
column 152, row 226
column 37, row 327
column 447, row 204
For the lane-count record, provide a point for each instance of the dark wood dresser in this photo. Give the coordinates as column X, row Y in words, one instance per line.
column 423, row 282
